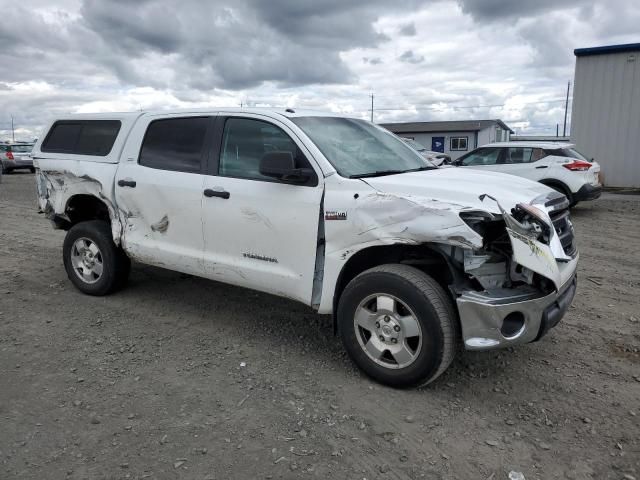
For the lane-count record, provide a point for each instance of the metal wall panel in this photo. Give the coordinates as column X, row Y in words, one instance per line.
column 605, row 119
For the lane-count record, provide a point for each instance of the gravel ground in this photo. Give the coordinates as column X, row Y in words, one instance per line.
column 180, row 377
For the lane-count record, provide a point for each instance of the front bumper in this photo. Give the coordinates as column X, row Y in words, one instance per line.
column 506, row 317
column 587, row 192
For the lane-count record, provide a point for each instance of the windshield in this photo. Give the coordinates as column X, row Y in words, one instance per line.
column 21, row 148
column 358, row 148
column 415, row 145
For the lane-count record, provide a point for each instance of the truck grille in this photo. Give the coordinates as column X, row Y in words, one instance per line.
column 564, row 229
column 558, row 208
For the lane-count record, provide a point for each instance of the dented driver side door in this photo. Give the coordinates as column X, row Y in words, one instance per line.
column 158, row 190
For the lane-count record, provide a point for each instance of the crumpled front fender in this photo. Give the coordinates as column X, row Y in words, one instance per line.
column 528, row 251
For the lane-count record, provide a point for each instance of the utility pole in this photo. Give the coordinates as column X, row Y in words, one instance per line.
column 371, row 107
column 13, row 132
column 566, row 107
column 557, row 129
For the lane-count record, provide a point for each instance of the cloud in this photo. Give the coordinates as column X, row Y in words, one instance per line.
column 497, row 10
column 505, row 60
column 409, row 56
column 408, row 30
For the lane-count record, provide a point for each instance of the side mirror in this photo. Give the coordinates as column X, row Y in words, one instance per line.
column 282, row 166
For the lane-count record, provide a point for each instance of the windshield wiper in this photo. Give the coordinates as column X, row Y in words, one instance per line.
column 420, row 169
column 377, row 173
column 380, row 173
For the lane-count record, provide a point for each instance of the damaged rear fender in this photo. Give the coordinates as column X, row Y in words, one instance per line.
column 57, row 188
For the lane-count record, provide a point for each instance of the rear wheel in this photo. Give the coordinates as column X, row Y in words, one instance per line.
column 398, row 325
column 94, row 264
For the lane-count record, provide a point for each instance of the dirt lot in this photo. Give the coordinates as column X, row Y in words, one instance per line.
column 180, row 377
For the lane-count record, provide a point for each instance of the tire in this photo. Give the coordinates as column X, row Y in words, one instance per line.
column 92, row 241
column 32, row 170
column 416, row 296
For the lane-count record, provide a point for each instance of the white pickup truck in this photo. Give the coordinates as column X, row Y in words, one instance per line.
column 330, row 211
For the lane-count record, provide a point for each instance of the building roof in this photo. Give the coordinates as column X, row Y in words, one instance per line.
column 627, row 47
column 531, row 144
column 447, row 126
column 539, row 138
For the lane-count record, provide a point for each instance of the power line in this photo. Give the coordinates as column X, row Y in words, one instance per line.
column 455, row 107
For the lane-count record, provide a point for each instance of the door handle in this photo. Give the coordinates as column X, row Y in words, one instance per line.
column 127, row 183
column 543, row 166
column 216, row 193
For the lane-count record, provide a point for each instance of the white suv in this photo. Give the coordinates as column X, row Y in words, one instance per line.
column 557, row 165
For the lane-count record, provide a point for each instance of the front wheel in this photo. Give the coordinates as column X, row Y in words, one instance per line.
column 398, row 325
column 94, row 264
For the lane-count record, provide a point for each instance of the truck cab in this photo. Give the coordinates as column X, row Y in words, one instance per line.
column 331, row 211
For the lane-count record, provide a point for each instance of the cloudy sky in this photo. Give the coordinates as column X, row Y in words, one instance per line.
column 422, row 60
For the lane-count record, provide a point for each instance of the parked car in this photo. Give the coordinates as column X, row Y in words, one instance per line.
column 437, row 158
column 15, row 156
column 333, row 212
column 557, row 165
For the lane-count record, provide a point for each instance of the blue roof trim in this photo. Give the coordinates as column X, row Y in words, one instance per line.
column 627, row 47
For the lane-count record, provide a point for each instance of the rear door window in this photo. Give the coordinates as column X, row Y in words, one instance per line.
column 82, row 137
column 517, row 155
column 538, row 154
column 175, row 144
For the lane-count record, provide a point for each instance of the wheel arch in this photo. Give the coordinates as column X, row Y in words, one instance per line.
column 83, row 206
column 555, row 183
column 424, row 257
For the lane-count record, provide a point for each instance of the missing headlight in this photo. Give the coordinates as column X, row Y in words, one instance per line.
column 531, row 220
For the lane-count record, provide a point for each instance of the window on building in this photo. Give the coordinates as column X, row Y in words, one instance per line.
column 458, row 144
column 175, row 144
column 245, row 141
column 82, row 137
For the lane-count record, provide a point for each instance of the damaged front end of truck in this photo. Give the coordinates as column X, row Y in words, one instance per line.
column 522, row 280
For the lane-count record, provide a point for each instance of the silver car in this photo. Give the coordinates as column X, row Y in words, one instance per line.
column 16, row 156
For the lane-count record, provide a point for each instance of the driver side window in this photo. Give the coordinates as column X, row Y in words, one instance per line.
column 482, row 156
column 245, row 141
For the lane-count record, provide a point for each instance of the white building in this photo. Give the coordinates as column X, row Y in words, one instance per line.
column 605, row 121
column 454, row 138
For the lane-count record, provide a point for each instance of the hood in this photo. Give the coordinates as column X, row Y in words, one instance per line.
column 462, row 187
